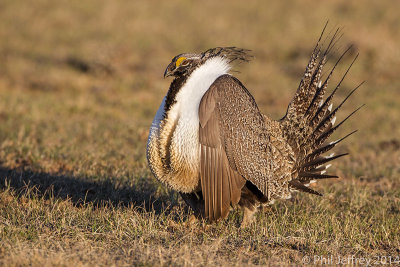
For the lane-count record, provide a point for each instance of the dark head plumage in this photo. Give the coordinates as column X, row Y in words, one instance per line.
column 184, row 64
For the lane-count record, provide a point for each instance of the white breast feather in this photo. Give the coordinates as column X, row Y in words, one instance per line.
column 185, row 111
column 186, row 135
column 155, row 125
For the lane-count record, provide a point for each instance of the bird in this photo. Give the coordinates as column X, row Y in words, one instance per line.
column 210, row 142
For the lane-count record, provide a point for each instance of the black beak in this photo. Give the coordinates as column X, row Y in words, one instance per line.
column 168, row 71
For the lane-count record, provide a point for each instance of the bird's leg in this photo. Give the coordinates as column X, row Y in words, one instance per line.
column 248, row 216
column 248, row 202
column 195, row 202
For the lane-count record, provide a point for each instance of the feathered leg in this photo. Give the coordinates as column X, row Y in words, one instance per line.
column 250, row 201
column 248, row 216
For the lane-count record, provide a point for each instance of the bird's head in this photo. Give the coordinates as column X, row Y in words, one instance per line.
column 185, row 64
column 182, row 64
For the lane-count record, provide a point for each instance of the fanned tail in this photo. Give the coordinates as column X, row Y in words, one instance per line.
column 310, row 119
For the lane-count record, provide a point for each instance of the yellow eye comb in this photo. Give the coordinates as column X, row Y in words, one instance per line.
column 179, row 61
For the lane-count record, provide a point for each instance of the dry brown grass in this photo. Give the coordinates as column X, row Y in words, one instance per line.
column 80, row 82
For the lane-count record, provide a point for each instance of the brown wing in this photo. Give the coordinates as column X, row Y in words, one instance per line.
column 232, row 140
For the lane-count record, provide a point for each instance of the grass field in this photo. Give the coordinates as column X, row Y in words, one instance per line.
column 80, row 82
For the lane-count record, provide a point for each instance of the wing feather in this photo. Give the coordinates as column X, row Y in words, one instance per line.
column 233, row 144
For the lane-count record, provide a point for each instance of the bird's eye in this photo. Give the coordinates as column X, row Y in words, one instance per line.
column 181, row 61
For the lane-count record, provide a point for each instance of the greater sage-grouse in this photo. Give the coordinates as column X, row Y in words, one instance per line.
column 210, row 142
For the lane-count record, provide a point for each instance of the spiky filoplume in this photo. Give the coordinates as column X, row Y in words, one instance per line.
column 210, row 142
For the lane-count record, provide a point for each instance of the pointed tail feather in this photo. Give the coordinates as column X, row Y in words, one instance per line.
column 310, row 120
column 297, row 185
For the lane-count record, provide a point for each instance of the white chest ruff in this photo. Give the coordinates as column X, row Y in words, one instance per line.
column 177, row 137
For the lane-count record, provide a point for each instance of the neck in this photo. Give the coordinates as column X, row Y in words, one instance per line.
column 192, row 86
column 176, row 84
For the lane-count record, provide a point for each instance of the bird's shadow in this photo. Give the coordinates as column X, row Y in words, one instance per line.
column 81, row 190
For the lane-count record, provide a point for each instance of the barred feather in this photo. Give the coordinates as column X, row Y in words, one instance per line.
column 310, row 120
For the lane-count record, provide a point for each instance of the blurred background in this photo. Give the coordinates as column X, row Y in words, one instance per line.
column 80, row 82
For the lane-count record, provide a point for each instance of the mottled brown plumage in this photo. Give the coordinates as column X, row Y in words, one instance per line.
column 210, row 142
